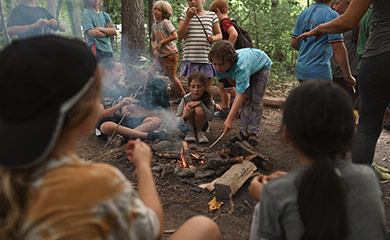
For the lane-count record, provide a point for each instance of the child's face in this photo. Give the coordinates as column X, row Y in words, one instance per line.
column 116, row 73
column 220, row 65
column 198, row 4
column 158, row 14
column 197, row 89
column 94, row 3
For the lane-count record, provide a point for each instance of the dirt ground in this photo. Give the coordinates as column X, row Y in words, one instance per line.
column 182, row 198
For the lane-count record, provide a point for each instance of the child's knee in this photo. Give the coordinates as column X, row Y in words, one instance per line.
column 155, row 120
column 107, row 127
column 199, row 111
column 221, row 87
column 205, row 225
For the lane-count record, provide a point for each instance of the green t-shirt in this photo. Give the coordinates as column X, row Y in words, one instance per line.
column 89, row 20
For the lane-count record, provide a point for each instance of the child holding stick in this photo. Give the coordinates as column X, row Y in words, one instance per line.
column 200, row 29
column 46, row 191
column 248, row 70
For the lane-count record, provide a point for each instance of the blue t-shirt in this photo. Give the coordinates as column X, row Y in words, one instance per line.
column 89, row 20
column 250, row 61
column 314, row 56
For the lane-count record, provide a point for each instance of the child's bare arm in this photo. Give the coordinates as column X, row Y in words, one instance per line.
column 183, row 24
column 217, row 34
column 233, row 35
column 172, row 37
column 101, row 32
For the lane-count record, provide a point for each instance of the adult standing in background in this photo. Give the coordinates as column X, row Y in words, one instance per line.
column 314, row 56
column 374, row 80
column 98, row 27
column 28, row 20
column 350, row 40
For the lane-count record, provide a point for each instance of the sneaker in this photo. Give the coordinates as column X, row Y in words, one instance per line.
column 202, row 138
column 253, row 140
column 153, row 135
column 118, row 140
column 222, row 114
column 190, row 137
column 243, row 136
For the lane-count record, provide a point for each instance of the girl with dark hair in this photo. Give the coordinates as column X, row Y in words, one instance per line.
column 196, row 109
column 328, row 198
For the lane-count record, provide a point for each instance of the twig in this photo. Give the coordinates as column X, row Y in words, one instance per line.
column 219, row 138
column 204, row 29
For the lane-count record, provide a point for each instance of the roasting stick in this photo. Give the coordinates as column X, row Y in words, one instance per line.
column 120, row 121
column 223, row 133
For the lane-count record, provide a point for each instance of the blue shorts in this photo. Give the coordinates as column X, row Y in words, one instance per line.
column 188, row 67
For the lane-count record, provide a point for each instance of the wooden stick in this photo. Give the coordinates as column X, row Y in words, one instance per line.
column 219, row 138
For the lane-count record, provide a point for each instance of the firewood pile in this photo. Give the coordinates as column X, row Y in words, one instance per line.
column 230, row 167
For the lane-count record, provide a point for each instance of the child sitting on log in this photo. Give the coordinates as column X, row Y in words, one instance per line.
column 248, row 70
column 196, row 109
column 116, row 103
column 328, row 197
column 46, row 191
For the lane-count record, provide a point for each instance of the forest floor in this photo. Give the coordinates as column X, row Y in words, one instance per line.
column 182, row 198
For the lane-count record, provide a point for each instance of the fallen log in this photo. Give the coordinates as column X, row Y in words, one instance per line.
column 230, row 182
column 187, row 154
column 273, row 102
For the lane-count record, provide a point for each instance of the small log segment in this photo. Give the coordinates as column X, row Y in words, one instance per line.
column 169, row 155
column 230, row 182
column 187, row 154
column 257, row 158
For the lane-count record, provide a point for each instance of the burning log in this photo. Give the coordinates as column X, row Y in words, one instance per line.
column 186, row 156
column 169, row 155
column 230, row 182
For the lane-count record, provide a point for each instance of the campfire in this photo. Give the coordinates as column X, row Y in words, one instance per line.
column 183, row 158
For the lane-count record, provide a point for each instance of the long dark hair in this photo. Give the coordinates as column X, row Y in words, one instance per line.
column 319, row 121
column 205, row 98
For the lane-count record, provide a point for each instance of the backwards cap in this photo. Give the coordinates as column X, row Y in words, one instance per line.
column 41, row 78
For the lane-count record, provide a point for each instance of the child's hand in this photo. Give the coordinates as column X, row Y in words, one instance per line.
column 273, row 175
column 139, row 153
column 128, row 110
column 255, row 187
column 127, row 101
column 109, row 25
column 210, row 39
column 191, row 12
column 228, row 125
column 193, row 104
column 159, row 46
column 187, row 111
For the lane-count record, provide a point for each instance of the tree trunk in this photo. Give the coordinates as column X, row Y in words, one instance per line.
column 151, row 21
column 133, row 31
column 3, row 24
column 51, row 7
column 73, row 7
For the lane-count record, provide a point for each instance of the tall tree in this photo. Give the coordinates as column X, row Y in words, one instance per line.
column 133, row 31
column 74, row 10
column 151, row 20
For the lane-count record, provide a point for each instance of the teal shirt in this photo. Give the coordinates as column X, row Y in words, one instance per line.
column 250, row 61
column 89, row 20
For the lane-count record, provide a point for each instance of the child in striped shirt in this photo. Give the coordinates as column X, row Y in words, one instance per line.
column 200, row 29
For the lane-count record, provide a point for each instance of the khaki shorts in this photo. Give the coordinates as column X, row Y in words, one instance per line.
column 167, row 64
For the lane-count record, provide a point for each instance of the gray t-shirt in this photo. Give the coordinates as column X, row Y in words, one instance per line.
column 379, row 40
column 276, row 216
column 350, row 40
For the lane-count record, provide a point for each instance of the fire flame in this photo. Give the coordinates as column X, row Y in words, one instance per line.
column 183, row 159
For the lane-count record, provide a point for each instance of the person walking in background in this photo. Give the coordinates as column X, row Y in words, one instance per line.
column 227, row 91
column 314, row 56
column 374, row 81
column 98, row 27
column 328, row 197
column 196, row 109
column 200, row 29
column 350, row 41
column 164, row 48
column 248, row 69
column 29, row 20
column 46, row 191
